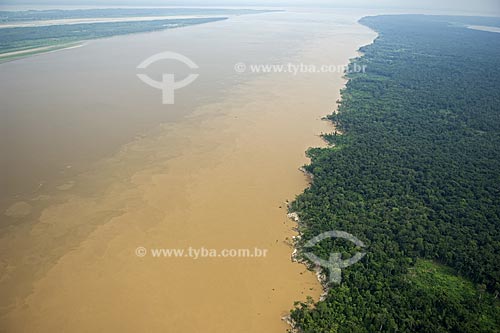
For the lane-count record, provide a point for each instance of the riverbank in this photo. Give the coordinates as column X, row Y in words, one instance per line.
column 9, row 56
column 293, row 215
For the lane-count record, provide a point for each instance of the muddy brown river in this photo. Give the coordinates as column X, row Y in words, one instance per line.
column 94, row 166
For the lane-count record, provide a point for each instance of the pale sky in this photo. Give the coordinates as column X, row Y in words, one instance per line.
column 485, row 7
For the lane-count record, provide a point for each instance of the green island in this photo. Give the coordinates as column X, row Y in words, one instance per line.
column 23, row 41
column 414, row 172
column 61, row 14
column 18, row 40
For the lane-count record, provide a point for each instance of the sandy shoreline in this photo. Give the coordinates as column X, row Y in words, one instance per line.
column 484, row 28
column 37, row 50
column 218, row 178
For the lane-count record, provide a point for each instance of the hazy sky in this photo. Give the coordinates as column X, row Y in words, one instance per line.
column 491, row 7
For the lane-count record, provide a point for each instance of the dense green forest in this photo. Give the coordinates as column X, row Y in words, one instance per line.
column 21, row 38
column 17, row 38
column 415, row 175
column 60, row 14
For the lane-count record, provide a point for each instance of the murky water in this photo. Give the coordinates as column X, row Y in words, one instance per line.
column 96, row 166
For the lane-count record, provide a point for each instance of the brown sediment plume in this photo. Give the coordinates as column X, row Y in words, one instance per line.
column 215, row 179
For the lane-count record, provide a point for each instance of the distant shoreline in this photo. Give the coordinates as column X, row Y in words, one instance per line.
column 27, row 33
column 45, row 23
column 484, row 28
column 14, row 55
column 110, row 30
